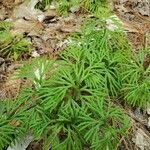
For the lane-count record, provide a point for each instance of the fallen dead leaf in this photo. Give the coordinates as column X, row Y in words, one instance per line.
column 142, row 140
column 27, row 10
column 22, row 26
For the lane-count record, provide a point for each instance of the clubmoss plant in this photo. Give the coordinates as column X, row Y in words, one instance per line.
column 12, row 46
column 96, row 7
column 68, row 103
column 135, row 78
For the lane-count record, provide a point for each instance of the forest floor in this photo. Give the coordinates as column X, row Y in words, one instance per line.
column 50, row 33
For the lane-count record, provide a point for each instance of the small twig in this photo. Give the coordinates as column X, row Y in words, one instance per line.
column 125, row 143
column 8, row 46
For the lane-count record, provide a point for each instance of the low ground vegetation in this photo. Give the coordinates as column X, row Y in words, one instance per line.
column 70, row 102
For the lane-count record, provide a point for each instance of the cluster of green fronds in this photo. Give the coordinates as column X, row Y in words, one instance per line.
column 128, row 72
column 62, row 6
column 68, row 101
column 98, row 7
column 65, row 5
column 104, row 45
column 135, row 79
column 68, row 104
column 11, row 123
column 12, row 46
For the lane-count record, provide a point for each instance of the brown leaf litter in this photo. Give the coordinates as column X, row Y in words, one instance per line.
column 136, row 17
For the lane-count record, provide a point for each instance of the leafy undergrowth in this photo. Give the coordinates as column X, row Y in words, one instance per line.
column 97, row 7
column 70, row 103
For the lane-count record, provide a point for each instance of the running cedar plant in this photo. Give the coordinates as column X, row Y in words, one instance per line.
column 98, row 7
column 62, row 6
column 65, row 5
column 70, row 109
column 104, row 47
column 14, row 123
column 68, row 104
column 12, row 46
column 92, row 6
column 135, row 77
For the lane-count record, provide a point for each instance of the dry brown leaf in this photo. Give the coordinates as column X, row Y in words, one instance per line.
column 22, row 26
